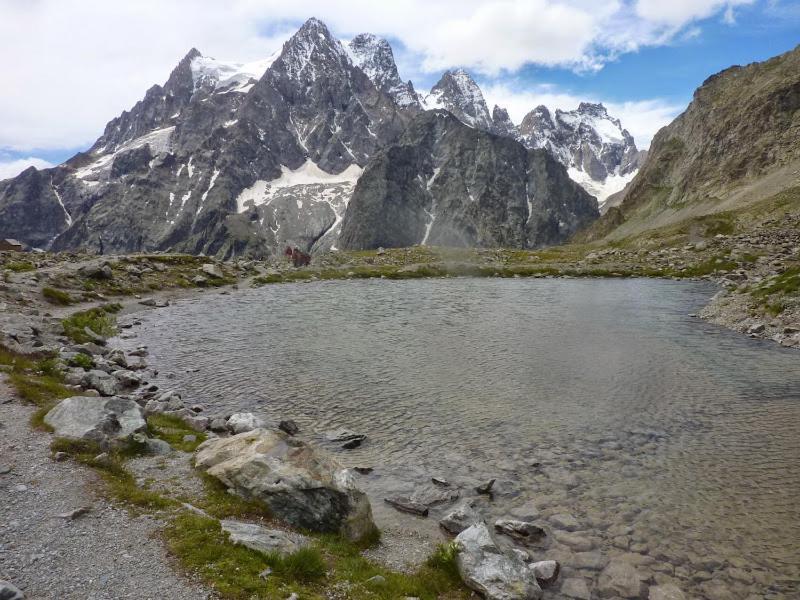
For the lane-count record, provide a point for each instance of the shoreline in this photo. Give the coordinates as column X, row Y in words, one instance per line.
column 717, row 310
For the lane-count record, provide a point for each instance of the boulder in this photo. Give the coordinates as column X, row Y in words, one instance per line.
column 98, row 419
column 546, row 572
column 101, row 381
column 212, row 270
column 242, row 422
column 460, row 518
column 117, row 357
column 261, row 539
column 157, row 446
column 127, row 380
column 487, row 570
column 299, row 483
column 620, row 579
column 10, row 592
column 218, row 424
column 289, row 426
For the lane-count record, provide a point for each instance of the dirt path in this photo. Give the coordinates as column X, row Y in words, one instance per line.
column 105, row 554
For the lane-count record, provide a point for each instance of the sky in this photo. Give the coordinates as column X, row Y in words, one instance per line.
column 69, row 66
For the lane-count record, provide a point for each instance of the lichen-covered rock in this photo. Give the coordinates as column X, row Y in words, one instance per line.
column 490, row 572
column 100, row 419
column 261, row 539
column 299, row 483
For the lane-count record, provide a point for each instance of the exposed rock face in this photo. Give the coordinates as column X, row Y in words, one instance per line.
column 300, row 484
column 374, row 56
column 30, row 208
column 458, row 93
column 490, row 572
column 448, row 184
column 736, row 143
column 98, row 419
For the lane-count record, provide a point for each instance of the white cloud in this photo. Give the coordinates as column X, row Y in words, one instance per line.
column 642, row 118
column 11, row 168
column 72, row 65
column 677, row 13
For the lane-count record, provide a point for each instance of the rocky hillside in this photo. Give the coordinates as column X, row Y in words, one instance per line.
column 447, row 184
column 737, row 143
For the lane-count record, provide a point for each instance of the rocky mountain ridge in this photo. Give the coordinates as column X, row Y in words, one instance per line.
column 230, row 159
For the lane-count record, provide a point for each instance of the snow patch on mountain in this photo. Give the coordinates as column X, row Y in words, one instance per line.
column 262, row 192
column 228, row 76
column 600, row 189
column 158, row 140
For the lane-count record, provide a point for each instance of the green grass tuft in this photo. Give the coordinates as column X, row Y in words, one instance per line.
column 59, row 297
column 101, row 320
column 172, row 430
column 20, row 266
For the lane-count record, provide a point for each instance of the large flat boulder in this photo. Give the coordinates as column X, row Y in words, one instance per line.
column 495, row 575
column 299, row 483
column 98, row 419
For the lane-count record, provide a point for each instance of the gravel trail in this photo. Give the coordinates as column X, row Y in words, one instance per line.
column 104, row 554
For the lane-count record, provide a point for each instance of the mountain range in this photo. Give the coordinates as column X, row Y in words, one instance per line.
column 323, row 145
column 231, row 159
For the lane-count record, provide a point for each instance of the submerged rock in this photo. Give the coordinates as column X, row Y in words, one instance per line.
column 523, row 531
column 493, row 574
column 299, row 483
column 620, row 579
column 407, row 505
column 546, row 572
column 289, row 426
column 667, row 591
column 98, row 419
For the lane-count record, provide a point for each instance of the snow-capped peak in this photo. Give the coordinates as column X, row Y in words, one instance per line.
column 311, row 49
column 374, row 56
column 457, row 92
